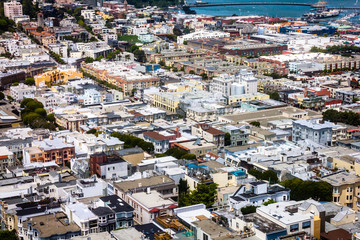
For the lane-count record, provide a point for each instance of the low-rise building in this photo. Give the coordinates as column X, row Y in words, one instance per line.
column 209, row 133
column 48, row 227
column 7, row 159
column 325, row 133
column 256, row 193
column 346, row 188
column 123, row 211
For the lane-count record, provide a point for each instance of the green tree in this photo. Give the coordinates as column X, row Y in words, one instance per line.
column 204, row 193
column 41, row 112
column 2, row 95
column 99, row 58
column 30, row 118
column 8, row 235
column 189, row 156
column 270, row 201
column 30, row 81
column 302, row 190
column 140, row 55
column 191, row 72
column 275, row 96
column 15, row 84
column 89, row 60
column 248, row 210
column 227, row 139
column 91, row 131
column 268, row 175
column 255, row 123
column 51, row 117
column 183, row 191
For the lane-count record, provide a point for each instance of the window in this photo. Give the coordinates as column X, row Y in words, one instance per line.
column 294, row 228
column 306, row 224
column 205, row 236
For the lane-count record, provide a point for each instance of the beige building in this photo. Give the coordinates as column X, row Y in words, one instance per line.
column 7, row 159
column 12, row 9
column 346, row 189
column 198, row 147
column 209, row 133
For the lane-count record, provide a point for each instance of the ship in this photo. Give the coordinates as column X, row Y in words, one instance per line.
column 199, row 2
column 324, row 13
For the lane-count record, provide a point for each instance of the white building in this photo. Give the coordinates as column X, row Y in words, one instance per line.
column 148, row 206
column 91, row 96
column 80, row 214
column 22, row 91
column 202, row 34
column 88, row 14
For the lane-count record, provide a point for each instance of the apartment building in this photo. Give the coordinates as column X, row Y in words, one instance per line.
column 346, row 188
column 12, row 9
column 7, row 159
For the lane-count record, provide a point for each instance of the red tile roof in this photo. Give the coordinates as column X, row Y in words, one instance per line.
column 155, row 135
column 209, row 129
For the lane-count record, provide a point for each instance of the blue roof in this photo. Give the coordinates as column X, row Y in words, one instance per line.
column 191, row 166
column 238, row 173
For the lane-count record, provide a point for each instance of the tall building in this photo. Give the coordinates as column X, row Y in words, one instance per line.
column 12, row 9
column 40, row 20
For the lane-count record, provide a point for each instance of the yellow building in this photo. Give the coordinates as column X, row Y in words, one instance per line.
column 346, row 189
column 237, row 99
column 187, row 86
column 167, row 101
column 56, row 76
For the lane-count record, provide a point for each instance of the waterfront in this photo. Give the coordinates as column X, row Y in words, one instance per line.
column 269, row 10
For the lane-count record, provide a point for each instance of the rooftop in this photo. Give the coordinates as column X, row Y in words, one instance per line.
column 49, row 225
column 127, row 186
column 151, row 200
column 341, row 178
column 261, row 223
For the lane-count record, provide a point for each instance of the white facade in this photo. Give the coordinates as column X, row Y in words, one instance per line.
column 201, row 35
column 22, row 91
column 114, row 170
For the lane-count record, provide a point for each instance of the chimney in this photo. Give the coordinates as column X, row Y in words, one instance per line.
column 51, row 137
column 148, row 190
column 140, row 185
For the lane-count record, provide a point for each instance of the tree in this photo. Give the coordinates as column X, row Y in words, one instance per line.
column 30, row 118
column 30, row 81
column 255, row 123
column 191, row 72
column 275, row 96
column 133, row 91
column 2, row 95
column 268, row 175
column 227, row 139
column 99, row 58
column 41, row 112
column 177, row 31
column 8, row 235
column 248, row 210
column 302, row 190
column 51, row 117
column 140, row 55
column 183, row 191
column 204, row 193
column 189, row 156
column 15, row 84
column 204, row 76
column 89, row 60
column 270, row 201
column 91, row 131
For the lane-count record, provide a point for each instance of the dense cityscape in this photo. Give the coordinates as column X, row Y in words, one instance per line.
column 172, row 119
